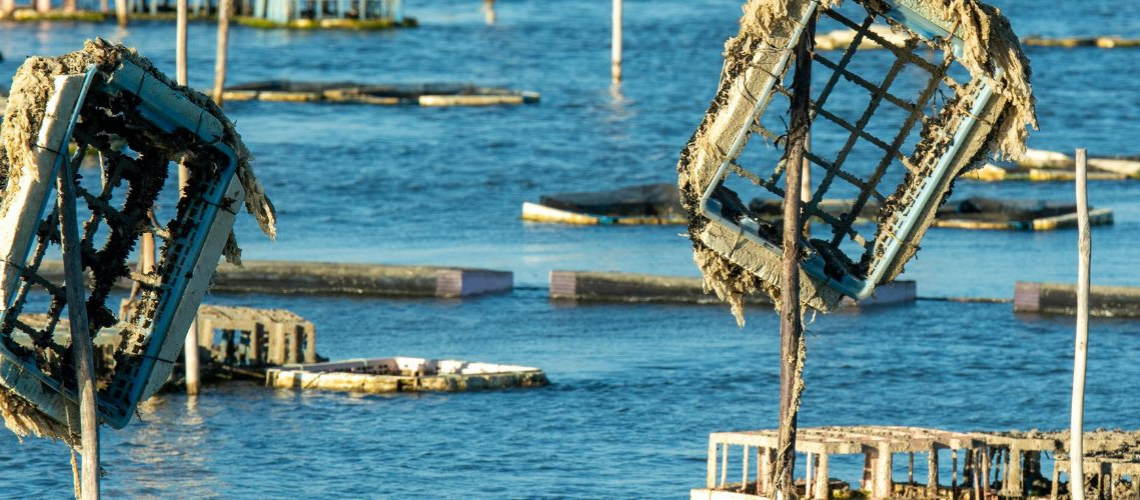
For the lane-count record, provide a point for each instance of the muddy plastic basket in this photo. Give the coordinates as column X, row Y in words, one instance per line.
column 160, row 126
column 891, row 126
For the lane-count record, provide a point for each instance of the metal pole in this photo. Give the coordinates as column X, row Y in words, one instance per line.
column 224, row 7
column 1080, row 351
column 615, row 57
column 791, row 319
column 81, row 349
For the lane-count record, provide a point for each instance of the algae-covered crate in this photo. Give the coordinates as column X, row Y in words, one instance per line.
column 891, row 127
column 107, row 98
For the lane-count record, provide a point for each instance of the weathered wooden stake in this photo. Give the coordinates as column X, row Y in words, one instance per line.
column 224, row 7
column 43, row 6
column 104, row 6
column 121, row 12
column 180, row 42
column 80, row 337
column 615, row 57
column 1080, row 351
column 190, row 349
column 791, row 318
column 489, row 11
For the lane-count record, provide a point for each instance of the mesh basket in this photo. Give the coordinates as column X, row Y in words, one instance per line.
column 140, row 125
column 895, row 116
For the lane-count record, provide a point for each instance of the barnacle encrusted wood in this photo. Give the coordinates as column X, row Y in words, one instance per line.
column 733, row 266
column 32, row 371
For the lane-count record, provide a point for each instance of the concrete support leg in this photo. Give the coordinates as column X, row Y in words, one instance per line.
column 277, row 345
column 1014, row 483
column 310, row 343
column 295, row 335
column 822, row 486
column 256, row 338
column 882, row 470
column 228, row 346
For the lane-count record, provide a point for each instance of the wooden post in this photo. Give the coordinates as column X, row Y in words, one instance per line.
column 791, row 315
column 8, row 7
column 744, row 474
column 489, row 11
column 43, row 6
column 1080, row 351
column 615, row 45
column 724, row 465
column 69, row 6
column 1056, row 481
column 954, row 472
column 986, row 471
column 932, row 473
column 121, row 12
column 807, row 474
column 81, row 350
column 224, row 7
column 766, row 460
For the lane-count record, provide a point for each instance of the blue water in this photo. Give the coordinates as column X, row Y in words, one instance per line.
column 637, row 388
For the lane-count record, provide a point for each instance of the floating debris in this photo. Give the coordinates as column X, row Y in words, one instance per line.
column 1104, row 42
column 382, row 375
column 1040, row 165
column 648, row 204
column 387, row 95
column 101, row 95
column 988, row 107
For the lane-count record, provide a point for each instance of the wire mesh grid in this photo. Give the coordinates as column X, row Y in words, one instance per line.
column 860, row 148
